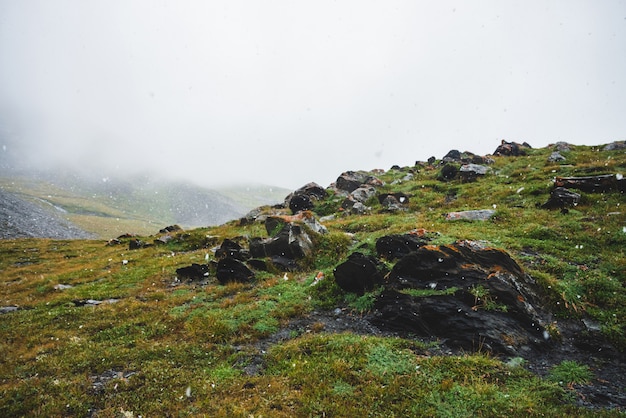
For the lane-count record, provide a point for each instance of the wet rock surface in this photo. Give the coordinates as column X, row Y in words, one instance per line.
column 468, row 294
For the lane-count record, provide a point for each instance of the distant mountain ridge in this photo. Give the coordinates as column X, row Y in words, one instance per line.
column 46, row 205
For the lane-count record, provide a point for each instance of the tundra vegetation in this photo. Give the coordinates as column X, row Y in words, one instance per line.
column 90, row 329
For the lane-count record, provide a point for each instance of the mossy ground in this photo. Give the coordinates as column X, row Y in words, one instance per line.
column 158, row 349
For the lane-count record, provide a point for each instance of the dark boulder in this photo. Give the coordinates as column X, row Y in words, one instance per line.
column 448, row 172
column 354, row 203
column 299, row 203
column 257, row 264
column 561, row 198
column 391, row 204
column 358, row 274
column 163, row 239
column 470, row 172
column 397, row 246
column 135, row 244
column 452, row 156
column 470, row 295
column 230, row 248
column 399, row 197
column 193, row 272
column 171, row 228
column 291, row 242
column 352, row 180
column 593, row 184
column 284, row 263
column 305, row 197
column 511, row 149
column 231, row 270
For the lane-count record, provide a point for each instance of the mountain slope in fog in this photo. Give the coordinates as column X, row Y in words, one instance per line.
column 107, row 207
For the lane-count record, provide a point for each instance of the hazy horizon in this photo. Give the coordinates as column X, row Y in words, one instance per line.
column 285, row 93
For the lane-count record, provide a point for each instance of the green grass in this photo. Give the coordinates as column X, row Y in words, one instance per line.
column 223, row 351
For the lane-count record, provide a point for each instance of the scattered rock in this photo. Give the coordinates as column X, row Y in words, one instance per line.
column 304, row 197
column 452, row 156
column 193, row 272
column 135, row 244
column 470, row 172
column 397, row 246
column 299, row 203
column 561, row 146
column 399, row 197
column 230, row 248
column 614, row 146
column 7, row 309
column 511, row 149
column 392, row 204
column 231, row 270
column 164, row 239
column 593, row 184
column 360, row 273
column 556, row 157
column 561, row 198
column 98, row 382
column 448, row 172
column 171, row 228
column 352, row 180
column 93, row 302
column 362, row 194
column 471, row 215
column 291, row 242
column 62, row 286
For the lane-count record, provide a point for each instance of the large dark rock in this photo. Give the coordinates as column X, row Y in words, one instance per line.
column 230, row 248
column 511, row 149
column 561, row 198
column 470, row 172
column 193, row 272
column 358, row 274
column 231, row 270
column 291, row 242
column 452, row 155
column 397, row 246
column 352, row 180
column 593, row 184
column 305, row 197
column 400, row 197
column 448, row 172
column 299, row 203
column 478, row 298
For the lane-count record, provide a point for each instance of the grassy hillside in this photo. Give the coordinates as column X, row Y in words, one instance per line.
column 95, row 330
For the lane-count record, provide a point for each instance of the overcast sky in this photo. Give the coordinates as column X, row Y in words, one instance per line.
column 287, row 92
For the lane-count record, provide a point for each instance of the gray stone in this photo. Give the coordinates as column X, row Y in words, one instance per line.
column 471, row 215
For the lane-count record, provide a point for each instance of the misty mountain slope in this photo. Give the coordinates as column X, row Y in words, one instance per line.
column 20, row 218
column 107, row 207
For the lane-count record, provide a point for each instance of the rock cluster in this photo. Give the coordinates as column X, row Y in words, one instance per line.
column 467, row 293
